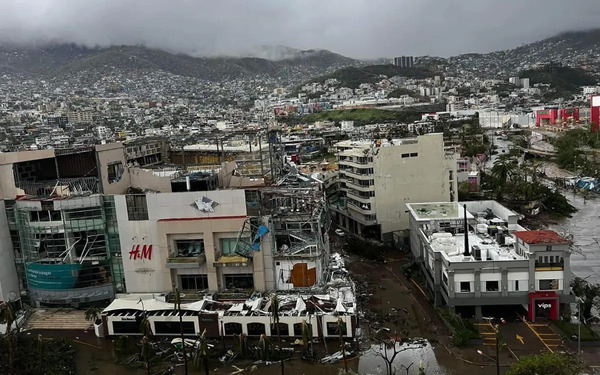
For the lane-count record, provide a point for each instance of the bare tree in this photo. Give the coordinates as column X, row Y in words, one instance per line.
column 388, row 349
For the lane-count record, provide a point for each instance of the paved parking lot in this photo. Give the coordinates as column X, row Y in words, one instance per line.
column 519, row 338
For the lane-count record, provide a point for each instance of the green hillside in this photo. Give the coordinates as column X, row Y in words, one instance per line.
column 352, row 77
column 564, row 81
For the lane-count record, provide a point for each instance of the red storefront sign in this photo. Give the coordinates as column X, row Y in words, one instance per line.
column 544, row 301
column 141, row 252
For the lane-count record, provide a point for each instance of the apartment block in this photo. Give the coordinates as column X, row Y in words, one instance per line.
column 377, row 180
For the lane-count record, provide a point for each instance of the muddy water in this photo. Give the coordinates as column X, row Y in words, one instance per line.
column 584, row 226
column 371, row 362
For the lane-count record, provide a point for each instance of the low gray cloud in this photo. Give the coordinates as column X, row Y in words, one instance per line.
column 357, row 28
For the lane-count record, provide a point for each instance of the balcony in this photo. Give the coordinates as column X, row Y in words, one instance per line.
column 364, row 211
column 359, row 187
column 355, row 164
column 232, row 261
column 186, row 262
column 354, row 195
column 365, row 176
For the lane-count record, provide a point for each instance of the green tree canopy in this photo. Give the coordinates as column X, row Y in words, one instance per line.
column 546, row 364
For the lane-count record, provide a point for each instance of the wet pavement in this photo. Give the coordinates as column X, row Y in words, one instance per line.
column 584, row 226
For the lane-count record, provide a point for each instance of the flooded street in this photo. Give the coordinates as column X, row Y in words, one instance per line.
column 584, row 228
column 372, row 364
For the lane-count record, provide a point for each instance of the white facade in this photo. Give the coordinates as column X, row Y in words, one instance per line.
column 498, row 264
column 347, row 125
column 378, row 179
column 150, row 274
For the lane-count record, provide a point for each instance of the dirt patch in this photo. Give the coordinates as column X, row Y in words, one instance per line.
column 390, row 301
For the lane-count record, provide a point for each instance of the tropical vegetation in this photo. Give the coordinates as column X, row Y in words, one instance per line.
column 546, row 363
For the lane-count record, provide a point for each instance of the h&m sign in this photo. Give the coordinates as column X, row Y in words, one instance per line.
column 141, row 252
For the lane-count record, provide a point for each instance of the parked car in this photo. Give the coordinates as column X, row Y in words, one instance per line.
column 340, row 233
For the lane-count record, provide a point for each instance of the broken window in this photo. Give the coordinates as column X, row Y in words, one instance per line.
column 137, row 207
column 233, row 328
column 189, row 248
column 115, row 172
column 465, row 287
column 228, row 245
column 333, row 329
column 492, row 286
column 239, row 281
column 256, row 329
column 298, row 329
column 194, row 282
column 284, row 329
column 548, row 284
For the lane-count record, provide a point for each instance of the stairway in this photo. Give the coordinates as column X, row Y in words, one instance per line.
column 48, row 318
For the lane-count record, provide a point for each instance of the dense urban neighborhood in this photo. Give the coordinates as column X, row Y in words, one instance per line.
column 162, row 213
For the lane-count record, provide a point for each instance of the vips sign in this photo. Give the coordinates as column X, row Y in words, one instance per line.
column 141, row 252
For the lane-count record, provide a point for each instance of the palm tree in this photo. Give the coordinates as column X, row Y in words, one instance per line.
column 243, row 345
column 146, row 329
column 146, row 353
column 177, row 308
column 263, row 347
column 306, row 335
column 93, row 314
column 275, row 319
column 342, row 330
column 200, row 354
column 8, row 317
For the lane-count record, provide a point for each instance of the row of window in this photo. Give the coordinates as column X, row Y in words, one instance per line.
column 410, row 155
column 232, row 281
column 253, row 329
column 195, row 247
column 257, row 329
column 513, row 285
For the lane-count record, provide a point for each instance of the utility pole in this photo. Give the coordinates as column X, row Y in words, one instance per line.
column 497, row 331
column 579, row 329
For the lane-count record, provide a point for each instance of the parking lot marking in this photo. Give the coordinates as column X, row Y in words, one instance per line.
column 537, row 334
column 520, row 338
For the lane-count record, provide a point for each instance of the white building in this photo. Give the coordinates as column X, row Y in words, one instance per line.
column 498, row 265
column 378, row 179
column 347, row 125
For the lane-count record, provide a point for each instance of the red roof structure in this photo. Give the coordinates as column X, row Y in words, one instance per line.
column 540, row 237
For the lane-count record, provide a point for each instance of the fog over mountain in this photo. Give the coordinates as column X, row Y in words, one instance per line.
column 359, row 28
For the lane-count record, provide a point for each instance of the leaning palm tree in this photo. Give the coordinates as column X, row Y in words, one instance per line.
column 306, row 335
column 341, row 326
column 177, row 308
column 263, row 347
column 146, row 355
column 93, row 314
column 275, row 320
column 200, row 354
column 243, row 344
column 8, row 317
column 146, row 330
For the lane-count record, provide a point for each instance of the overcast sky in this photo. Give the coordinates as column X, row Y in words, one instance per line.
column 356, row 28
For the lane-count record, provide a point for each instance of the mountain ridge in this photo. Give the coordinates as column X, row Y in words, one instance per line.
column 58, row 59
column 574, row 48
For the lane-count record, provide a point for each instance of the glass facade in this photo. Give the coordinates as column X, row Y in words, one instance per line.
column 67, row 250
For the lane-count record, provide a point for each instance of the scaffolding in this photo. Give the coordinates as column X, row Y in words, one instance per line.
column 66, row 248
